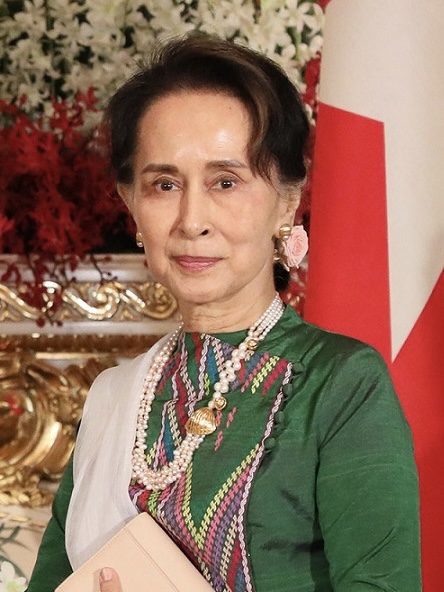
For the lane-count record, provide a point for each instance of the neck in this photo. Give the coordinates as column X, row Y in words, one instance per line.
column 224, row 317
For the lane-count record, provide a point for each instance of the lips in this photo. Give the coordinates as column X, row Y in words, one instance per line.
column 196, row 263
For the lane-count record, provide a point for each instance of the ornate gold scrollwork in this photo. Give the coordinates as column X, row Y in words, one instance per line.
column 93, row 301
column 41, row 404
column 44, row 408
column 13, row 307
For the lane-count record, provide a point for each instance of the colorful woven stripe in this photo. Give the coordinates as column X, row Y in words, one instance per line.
column 204, row 511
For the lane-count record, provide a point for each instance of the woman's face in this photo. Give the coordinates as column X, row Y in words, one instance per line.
column 207, row 221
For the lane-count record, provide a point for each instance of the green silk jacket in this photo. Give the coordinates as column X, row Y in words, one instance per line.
column 333, row 503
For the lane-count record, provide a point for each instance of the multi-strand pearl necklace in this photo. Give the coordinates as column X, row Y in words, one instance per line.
column 202, row 421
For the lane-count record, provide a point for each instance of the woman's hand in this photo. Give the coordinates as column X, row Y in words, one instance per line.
column 109, row 580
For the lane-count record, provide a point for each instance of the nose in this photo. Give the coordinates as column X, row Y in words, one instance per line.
column 194, row 213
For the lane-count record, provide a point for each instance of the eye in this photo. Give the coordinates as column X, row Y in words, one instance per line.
column 165, row 185
column 226, row 183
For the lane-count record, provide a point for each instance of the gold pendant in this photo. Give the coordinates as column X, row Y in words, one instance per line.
column 201, row 422
column 220, row 403
column 252, row 343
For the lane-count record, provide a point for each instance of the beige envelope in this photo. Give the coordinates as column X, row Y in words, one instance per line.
column 145, row 558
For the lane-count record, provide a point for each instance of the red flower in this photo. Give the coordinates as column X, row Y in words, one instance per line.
column 54, row 183
column 5, row 226
column 311, row 77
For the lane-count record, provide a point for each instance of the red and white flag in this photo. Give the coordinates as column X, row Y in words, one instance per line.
column 377, row 226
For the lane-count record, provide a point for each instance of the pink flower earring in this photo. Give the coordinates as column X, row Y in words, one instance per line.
column 292, row 246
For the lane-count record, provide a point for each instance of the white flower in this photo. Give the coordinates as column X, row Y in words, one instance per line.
column 304, row 14
column 9, row 582
column 107, row 13
column 62, row 47
column 224, row 17
column 167, row 17
column 315, row 45
column 267, row 5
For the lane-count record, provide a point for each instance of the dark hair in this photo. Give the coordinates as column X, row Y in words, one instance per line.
column 199, row 62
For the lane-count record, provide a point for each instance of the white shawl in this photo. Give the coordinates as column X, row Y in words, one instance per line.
column 100, row 504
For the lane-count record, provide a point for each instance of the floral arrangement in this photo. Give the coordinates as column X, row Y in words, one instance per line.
column 59, row 48
column 62, row 60
column 10, row 581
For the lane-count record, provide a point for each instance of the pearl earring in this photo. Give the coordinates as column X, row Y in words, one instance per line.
column 139, row 240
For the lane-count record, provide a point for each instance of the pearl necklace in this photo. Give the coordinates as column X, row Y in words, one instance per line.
column 202, row 421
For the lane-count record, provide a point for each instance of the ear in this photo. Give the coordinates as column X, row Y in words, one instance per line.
column 288, row 206
column 126, row 193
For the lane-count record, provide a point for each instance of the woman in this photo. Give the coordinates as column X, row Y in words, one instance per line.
column 275, row 454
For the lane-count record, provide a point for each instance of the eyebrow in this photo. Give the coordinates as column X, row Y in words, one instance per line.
column 213, row 164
